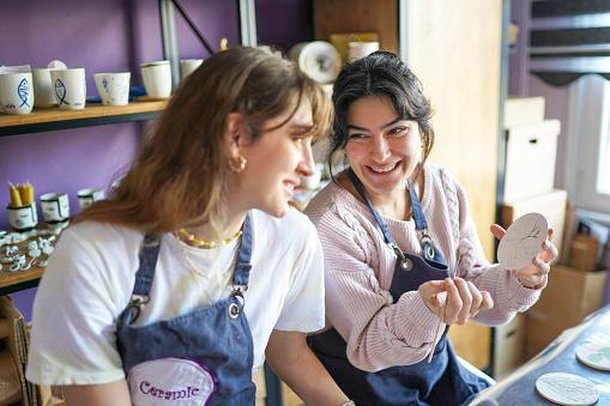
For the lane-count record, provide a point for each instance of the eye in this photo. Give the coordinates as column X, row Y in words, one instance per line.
column 398, row 131
column 358, row 137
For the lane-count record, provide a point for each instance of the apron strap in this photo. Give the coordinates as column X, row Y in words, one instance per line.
column 421, row 225
column 241, row 273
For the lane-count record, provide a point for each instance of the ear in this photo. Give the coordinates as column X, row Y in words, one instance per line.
column 235, row 135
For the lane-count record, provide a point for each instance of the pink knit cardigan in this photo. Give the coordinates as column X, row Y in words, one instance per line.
column 381, row 333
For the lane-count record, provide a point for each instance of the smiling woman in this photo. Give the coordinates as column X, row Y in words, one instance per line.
column 177, row 286
column 403, row 261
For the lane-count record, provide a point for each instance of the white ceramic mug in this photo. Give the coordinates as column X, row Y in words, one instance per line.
column 43, row 88
column 55, row 207
column 22, row 218
column 113, row 88
column 86, row 197
column 157, row 77
column 16, row 92
column 187, row 66
column 70, row 88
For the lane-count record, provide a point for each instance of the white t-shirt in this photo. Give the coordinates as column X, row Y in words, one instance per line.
column 91, row 275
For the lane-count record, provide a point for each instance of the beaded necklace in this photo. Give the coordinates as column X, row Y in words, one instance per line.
column 191, row 239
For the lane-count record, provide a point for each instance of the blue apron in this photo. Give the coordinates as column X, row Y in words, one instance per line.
column 443, row 381
column 204, row 357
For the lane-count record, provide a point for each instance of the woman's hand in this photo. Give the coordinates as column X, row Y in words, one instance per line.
column 534, row 276
column 454, row 300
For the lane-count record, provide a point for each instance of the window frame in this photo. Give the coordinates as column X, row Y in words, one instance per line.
column 589, row 119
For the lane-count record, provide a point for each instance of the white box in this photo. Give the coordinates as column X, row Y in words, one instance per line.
column 523, row 110
column 551, row 205
column 531, row 151
column 509, row 346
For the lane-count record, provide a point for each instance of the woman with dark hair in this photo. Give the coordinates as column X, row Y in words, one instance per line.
column 402, row 257
column 172, row 290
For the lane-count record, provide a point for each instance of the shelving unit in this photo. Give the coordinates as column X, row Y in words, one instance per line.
column 16, row 281
column 55, row 119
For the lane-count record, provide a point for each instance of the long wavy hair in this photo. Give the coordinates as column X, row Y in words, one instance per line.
column 381, row 73
column 178, row 178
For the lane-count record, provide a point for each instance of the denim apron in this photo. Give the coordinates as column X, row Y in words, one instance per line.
column 204, row 357
column 443, row 381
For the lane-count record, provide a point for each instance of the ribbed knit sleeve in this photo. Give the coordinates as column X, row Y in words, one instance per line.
column 508, row 294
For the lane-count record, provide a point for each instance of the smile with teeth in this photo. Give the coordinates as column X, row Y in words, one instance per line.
column 383, row 169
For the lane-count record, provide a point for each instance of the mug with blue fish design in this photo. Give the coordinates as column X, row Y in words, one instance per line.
column 70, row 88
column 16, row 92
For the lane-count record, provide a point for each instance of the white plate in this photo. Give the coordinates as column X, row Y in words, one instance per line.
column 567, row 389
column 522, row 241
column 595, row 355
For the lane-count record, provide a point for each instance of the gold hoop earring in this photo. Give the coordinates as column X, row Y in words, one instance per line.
column 238, row 167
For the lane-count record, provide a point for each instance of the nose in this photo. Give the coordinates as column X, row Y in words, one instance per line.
column 306, row 164
column 380, row 148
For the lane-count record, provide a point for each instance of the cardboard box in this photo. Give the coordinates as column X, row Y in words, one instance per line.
column 531, row 150
column 551, row 205
column 523, row 110
column 583, row 252
column 509, row 343
column 569, row 297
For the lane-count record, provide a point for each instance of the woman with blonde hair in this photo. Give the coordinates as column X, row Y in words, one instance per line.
column 177, row 286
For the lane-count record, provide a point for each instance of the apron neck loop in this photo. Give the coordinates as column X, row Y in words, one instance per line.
column 421, row 224
column 241, row 274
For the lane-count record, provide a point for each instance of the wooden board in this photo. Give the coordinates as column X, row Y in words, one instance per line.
column 455, row 50
column 39, row 116
column 348, row 16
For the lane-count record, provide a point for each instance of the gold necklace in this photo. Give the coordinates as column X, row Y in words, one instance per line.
column 193, row 267
column 191, row 239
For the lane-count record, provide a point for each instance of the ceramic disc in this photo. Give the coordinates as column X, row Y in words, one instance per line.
column 567, row 389
column 595, row 355
column 522, row 241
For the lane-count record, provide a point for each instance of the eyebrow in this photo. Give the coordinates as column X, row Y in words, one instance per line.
column 356, row 127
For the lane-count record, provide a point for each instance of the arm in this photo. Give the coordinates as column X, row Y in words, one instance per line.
column 508, row 293
column 289, row 356
column 380, row 333
column 115, row 394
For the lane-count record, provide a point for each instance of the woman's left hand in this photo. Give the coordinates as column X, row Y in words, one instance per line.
column 534, row 276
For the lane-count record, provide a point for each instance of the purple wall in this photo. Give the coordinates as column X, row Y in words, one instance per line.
column 109, row 35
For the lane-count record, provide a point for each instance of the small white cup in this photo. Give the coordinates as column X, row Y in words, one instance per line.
column 16, row 92
column 360, row 49
column 113, row 88
column 86, row 197
column 22, row 218
column 70, row 88
column 43, row 88
column 15, row 69
column 157, row 77
column 55, row 207
column 187, row 66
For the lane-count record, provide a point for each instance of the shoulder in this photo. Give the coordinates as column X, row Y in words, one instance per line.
column 294, row 227
column 98, row 239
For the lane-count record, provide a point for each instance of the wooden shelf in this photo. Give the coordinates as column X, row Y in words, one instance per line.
column 15, row 281
column 56, row 119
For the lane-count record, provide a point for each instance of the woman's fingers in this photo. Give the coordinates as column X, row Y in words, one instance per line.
column 497, row 230
column 466, row 298
column 454, row 300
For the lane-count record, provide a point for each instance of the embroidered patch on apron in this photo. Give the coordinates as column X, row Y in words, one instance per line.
column 170, row 381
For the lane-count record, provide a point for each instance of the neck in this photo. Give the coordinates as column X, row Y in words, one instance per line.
column 395, row 204
column 232, row 224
